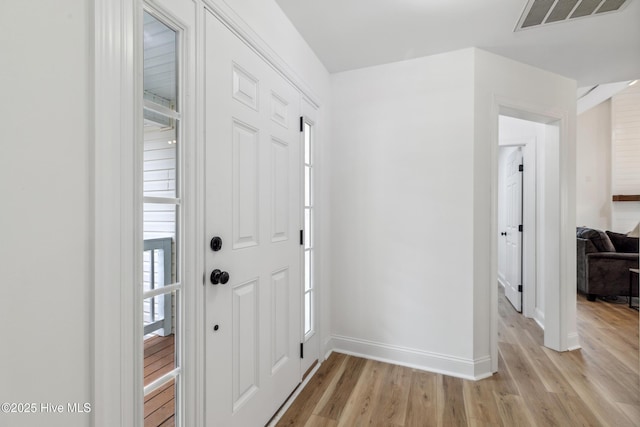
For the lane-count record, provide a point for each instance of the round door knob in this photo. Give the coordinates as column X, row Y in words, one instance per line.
column 219, row 277
column 216, row 244
column 224, row 277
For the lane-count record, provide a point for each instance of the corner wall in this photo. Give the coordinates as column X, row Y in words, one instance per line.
column 414, row 207
column 402, row 213
column 502, row 84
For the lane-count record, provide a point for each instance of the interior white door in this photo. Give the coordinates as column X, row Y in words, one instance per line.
column 513, row 276
column 253, row 204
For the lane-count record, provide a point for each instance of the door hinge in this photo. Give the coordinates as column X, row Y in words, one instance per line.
column 519, row 288
column 520, row 168
column 301, row 237
column 520, row 228
column 301, row 350
column 301, row 124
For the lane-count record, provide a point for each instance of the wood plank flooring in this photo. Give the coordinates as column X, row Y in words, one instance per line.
column 597, row 385
column 159, row 406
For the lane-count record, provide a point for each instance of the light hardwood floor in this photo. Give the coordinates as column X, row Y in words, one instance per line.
column 595, row 386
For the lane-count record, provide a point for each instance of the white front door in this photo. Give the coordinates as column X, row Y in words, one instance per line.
column 513, row 274
column 253, row 204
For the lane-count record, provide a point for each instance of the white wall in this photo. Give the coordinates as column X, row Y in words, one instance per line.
column 402, row 212
column 608, row 155
column 46, row 216
column 625, row 157
column 593, row 167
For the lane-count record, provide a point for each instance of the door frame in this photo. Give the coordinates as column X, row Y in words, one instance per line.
column 115, row 211
column 560, row 288
column 117, row 204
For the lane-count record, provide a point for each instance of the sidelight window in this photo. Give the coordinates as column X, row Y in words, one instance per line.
column 309, row 292
column 161, row 288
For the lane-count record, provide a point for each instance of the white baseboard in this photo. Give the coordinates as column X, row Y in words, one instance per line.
column 417, row 359
column 327, row 348
column 573, row 342
column 538, row 316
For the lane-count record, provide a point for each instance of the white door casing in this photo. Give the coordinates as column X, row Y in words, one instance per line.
column 252, row 187
column 513, row 266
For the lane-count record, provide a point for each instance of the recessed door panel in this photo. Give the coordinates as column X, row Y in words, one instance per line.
column 245, row 185
column 279, row 110
column 279, row 190
column 245, row 342
column 281, row 319
column 245, row 87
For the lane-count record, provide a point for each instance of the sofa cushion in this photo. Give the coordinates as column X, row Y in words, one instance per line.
column 599, row 238
column 623, row 243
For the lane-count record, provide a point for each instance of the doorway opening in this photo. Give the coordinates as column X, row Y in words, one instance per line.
column 531, row 274
column 521, row 146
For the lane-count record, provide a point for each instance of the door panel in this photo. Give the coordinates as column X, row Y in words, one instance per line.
column 281, row 319
column 245, row 185
column 513, row 266
column 253, row 203
column 245, row 342
column 279, row 190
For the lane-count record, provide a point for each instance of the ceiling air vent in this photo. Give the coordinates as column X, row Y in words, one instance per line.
column 540, row 12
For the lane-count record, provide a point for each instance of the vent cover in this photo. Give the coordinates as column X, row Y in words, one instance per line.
column 540, row 12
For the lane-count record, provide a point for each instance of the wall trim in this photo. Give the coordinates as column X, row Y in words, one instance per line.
column 114, row 369
column 468, row 369
column 573, row 342
column 539, row 318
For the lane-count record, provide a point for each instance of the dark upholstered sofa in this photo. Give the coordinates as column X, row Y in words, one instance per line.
column 604, row 260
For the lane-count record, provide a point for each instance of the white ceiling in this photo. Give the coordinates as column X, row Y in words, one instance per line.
column 349, row 34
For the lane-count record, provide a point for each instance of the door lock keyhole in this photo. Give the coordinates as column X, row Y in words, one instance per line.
column 216, row 244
